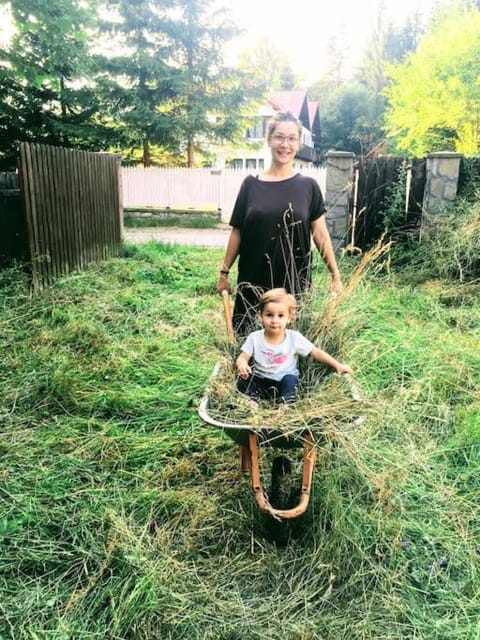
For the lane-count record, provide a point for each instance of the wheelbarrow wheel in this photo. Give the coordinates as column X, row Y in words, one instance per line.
column 281, row 484
column 281, row 496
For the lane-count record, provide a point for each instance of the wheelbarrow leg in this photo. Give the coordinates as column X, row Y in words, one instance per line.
column 309, row 457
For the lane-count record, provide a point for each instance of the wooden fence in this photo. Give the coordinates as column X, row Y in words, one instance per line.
column 72, row 208
column 386, row 186
column 13, row 233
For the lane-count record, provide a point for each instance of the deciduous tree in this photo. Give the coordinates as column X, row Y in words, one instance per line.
column 434, row 96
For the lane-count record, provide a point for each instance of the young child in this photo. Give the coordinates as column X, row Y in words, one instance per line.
column 275, row 351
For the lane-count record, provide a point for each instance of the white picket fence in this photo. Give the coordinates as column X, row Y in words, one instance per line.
column 198, row 189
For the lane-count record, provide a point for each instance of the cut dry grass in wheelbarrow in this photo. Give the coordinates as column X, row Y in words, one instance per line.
column 326, row 404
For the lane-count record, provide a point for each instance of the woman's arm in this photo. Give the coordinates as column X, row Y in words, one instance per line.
column 326, row 358
column 231, row 253
column 323, row 242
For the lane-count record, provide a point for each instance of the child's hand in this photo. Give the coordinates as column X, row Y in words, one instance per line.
column 243, row 368
column 343, row 368
column 244, row 372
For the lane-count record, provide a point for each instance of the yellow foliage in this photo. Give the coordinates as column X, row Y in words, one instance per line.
column 434, row 96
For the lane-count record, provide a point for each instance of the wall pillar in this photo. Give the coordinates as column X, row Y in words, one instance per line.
column 337, row 195
column 443, row 169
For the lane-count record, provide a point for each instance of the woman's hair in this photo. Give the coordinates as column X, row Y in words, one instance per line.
column 283, row 116
column 278, row 295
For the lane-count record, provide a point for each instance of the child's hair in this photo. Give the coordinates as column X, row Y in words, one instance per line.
column 283, row 116
column 278, row 295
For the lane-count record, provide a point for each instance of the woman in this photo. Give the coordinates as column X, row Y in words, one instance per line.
column 276, row 215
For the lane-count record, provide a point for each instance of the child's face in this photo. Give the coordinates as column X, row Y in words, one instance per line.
column 275, row 317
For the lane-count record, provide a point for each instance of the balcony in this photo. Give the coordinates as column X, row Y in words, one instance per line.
column 306, row 153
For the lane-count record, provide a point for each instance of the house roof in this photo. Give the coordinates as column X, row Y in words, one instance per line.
column 298, row 103
column 293, row 101
column 314, row 117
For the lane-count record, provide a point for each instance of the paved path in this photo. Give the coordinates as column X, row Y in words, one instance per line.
column 177, row 235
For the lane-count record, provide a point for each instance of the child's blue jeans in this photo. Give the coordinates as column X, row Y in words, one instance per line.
column 278, row 391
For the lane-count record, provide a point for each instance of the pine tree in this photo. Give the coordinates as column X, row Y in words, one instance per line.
column 45, row 91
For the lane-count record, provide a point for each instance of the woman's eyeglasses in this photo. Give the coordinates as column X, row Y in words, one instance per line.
column 279, row 139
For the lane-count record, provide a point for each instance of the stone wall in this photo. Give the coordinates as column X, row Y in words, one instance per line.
column 443, row 170
column 338, row 195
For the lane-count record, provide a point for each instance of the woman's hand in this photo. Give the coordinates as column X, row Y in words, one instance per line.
column 223, row 284
column 323, row 242
column 231, row 253
column 336, row 285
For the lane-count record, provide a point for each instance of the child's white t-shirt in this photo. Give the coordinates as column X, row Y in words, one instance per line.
column 274, row 361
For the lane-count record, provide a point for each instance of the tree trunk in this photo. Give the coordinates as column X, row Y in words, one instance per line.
column 63, row 110
column 147, row 159
column 190, row 154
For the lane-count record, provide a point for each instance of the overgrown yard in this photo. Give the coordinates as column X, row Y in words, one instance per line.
column 124, row 516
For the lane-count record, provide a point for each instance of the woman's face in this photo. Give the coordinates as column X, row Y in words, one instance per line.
column 284, row 142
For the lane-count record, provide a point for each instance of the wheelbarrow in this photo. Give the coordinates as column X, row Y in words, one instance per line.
column 250, row 438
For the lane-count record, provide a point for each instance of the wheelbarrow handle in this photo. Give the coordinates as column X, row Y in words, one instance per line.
column 227, row 310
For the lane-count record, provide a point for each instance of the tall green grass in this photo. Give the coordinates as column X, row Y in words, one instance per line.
column 123, row 516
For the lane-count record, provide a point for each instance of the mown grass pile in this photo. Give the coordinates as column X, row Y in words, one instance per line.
column 123, row 516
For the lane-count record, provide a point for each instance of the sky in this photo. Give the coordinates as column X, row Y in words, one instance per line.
column 302, row 28
column 4, row 25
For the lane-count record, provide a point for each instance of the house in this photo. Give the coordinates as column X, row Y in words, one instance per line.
column 256, row 155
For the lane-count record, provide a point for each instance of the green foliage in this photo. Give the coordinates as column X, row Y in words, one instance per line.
column 122, row 515
column 137, row 77
column 353, row 110
column 394, row 211
column 193, row 220
column 269, row 66
column 434, row 95
column 170, row 85
column 44, row 96
column 349, row 119
column 147, row 79
column 400, row 42
column 454, row 245
column 387, row 44
column 449, row 247
column 206, row 109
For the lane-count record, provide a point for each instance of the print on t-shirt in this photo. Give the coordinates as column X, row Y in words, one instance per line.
column 273, row 358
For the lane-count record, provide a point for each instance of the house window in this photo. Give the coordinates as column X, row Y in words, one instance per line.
column 261, row 164
column 237, row 163
column 257, row 130
column 251, row 163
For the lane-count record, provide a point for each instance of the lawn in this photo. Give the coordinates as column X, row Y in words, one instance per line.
column 124, row 516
